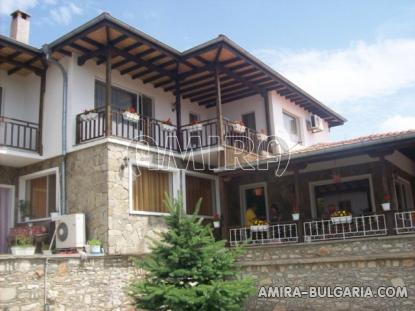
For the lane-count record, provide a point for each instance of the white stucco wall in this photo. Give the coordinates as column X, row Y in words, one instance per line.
column 278, row 105
column 20, row 96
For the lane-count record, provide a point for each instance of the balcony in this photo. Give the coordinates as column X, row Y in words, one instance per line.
column 19, row 134
column 155, row 133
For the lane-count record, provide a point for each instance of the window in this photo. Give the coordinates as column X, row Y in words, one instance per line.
column 403, row 194
column 146, row 106
column 249, row 120
column 149, row 189
column 40, row 193
column 291, row 125
column 197, row 187
column 120, row 98
column 193, row 117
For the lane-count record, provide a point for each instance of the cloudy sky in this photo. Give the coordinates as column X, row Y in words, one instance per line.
column 358, row 57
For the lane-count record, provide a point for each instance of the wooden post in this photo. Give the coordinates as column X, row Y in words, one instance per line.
column 297, row 203
column 41, row 104
column 219, row 107
column 108, row 93
column 267, row 118
column 179, row 114
column 388, row 184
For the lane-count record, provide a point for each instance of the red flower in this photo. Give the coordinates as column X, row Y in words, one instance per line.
column 387, row 198
column 132, row 110
column 216, row 217
column 194, row 122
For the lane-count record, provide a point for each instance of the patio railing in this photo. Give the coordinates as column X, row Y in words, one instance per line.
column 405, row 222
column 19, row 134
column 360, row 226
column 273, row 234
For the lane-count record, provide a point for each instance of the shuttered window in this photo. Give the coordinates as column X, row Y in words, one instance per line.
column 41, row 196
column 196, row 188
column 249, row 120
column 149, row 189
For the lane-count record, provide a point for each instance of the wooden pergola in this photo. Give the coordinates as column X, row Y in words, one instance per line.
column 214, row 73
column 22, row 59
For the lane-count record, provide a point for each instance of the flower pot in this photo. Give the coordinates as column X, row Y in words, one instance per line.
column 23, row 251
column 238, row 128
column 89, row 116
column 195, row 128
column 130, row 116
column 95, row 249
column 296, row 216
column 47, row 252
column 259, row 228
column 216, row 224
column 386, row 207
column 261, row 137
column 341, row 220
column 167, row 127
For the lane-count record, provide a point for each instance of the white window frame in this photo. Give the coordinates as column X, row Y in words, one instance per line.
column 298, row 121
column 174, row 186
column 242, row 198
column 22, row 190
column 217, row 207
column 12, row 203
column 314, row 184
column 408, row 190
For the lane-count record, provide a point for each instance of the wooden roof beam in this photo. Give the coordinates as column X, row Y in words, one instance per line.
column 16, row 63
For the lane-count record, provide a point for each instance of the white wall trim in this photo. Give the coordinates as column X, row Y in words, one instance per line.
column 242, row 199
column 46, row 172
column 12, row 203
column 313, row 184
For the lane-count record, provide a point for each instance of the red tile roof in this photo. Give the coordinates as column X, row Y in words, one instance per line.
column 353, row 141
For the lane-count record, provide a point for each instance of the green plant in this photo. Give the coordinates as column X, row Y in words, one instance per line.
column 23, row 241
column 188, row 270
column 94, row 242
column 24, row 207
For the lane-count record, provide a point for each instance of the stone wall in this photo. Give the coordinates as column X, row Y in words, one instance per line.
column 98, row 283
column 374, row 262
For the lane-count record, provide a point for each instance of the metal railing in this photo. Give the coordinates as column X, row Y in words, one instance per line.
column 201, row 135
column 19, row 134
column 405, row 222
column 360, row 226
column 248, row 140
column 259, row 235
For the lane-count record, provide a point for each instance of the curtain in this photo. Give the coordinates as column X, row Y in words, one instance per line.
column 199, row 188
column 4, row 218
column 149, row 189
column 38, row 197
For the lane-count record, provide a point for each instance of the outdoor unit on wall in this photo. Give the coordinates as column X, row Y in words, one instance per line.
column 70, row 231
column 315, row 124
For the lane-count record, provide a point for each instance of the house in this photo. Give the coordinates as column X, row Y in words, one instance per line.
column 105, row 119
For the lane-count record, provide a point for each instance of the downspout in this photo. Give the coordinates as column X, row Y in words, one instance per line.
column 50, row 60
column 47, row 53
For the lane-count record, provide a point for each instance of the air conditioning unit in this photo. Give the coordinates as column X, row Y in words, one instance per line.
column 70, row 231
column 315, row 124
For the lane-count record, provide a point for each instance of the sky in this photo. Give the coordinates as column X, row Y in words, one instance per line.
column 357, row 57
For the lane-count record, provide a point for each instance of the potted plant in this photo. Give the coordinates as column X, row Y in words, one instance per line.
column 24, row 207
column 261, row 136
column 94, row 246
column 259, row 225
column 341, row 217
column 23, row 246
column 90, row 114
column 131, row 115
column 295, row 213
column 216, row 221
column 167, row 125
column 195, row 127
column 386, row 205
column 238, row 127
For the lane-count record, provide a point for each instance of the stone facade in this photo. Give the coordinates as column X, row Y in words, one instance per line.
column 375, row 262
column 98, row 283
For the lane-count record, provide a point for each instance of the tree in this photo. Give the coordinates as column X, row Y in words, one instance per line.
column 188, row 270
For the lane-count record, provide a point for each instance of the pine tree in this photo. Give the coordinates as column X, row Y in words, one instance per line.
column 188, row 270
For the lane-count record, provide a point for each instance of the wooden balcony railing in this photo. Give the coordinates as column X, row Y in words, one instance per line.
column 204, row 134
column 19, row 134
